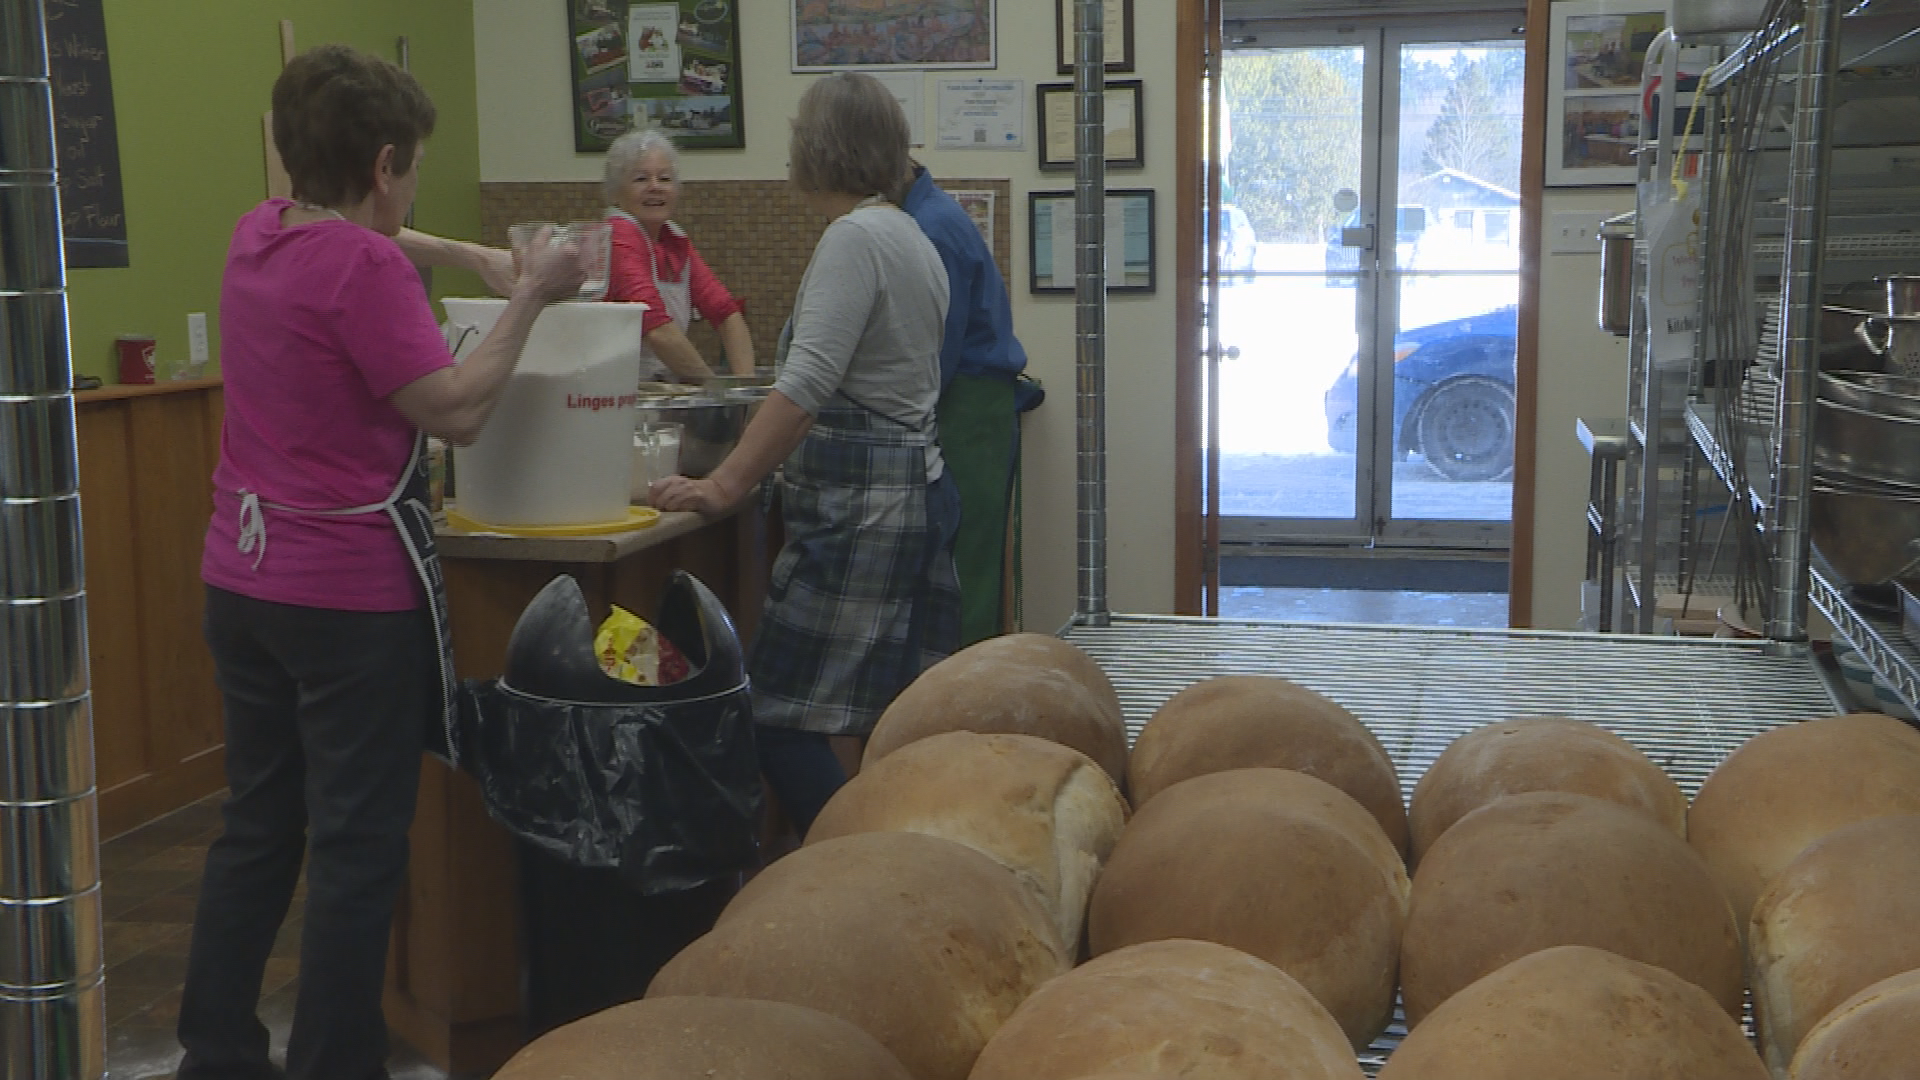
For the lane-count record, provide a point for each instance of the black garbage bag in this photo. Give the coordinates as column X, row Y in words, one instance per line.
column 661, row 783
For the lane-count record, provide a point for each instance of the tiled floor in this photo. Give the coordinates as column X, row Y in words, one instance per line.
column 150, row 881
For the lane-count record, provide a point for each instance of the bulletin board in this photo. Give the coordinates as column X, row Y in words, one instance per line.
column 667, row 64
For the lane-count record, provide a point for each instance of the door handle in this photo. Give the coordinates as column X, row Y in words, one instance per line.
column 1357, row 236
column 1233, row 352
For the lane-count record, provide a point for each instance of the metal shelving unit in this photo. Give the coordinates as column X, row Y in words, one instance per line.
column 1787, row 215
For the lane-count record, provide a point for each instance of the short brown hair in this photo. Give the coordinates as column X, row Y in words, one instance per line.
column 850, row 138
column 334, row 107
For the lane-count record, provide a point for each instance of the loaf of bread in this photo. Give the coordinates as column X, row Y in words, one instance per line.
column 1577, row 1013
column 1170, row 1009
column 1792, row 785
column 1042, row 810
column 1250, row 721
column 925, row 944
column 1542, row 753
column 1272, row 862
column 1838, row 919
column 1020, row 684
column 1546, row 868
column 1875, row 1033
column 671, row 1038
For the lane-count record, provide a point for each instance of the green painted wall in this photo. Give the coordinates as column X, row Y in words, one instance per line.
column 191, row 82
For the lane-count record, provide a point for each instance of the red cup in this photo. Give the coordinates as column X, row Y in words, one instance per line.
column 136, row 359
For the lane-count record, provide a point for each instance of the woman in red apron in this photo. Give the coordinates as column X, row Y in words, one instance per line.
column 864, row 595
column 654, row 263
column 325, row 614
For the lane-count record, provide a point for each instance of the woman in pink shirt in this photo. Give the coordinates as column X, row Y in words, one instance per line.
column 654, row 263
column 323, row 613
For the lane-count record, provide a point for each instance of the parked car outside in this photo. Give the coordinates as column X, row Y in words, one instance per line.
column 1452, row 397
column 1238, row 243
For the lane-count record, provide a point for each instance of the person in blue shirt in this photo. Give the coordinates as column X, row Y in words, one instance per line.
column 980, row 365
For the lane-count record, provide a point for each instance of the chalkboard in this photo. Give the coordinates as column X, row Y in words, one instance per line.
column 92, row 209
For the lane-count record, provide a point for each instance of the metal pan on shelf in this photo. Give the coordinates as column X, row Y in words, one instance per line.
column 1856, row 444
column 1873, row 391
column 1869, row 533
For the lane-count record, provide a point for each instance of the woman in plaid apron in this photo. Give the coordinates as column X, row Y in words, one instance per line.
column 864, row 595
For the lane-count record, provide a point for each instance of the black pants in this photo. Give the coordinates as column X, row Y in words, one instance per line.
column 325, row 720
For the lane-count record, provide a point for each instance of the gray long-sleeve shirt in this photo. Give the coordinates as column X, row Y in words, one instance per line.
column 867, row 321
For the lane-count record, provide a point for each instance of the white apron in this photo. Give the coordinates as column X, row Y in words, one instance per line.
column 406, row 506
column 675, row 296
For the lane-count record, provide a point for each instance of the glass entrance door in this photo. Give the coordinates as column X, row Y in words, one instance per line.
column 1366, row 382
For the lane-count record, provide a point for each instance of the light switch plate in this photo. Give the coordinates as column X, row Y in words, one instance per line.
column 197, row 340
column 1574, row 234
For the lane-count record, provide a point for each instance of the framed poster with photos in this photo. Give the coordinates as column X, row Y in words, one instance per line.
column 1597, row 51
column 1117, row 24
column 1130, row 241
column 838, row 35
column 672, row 65
column 1126, row 139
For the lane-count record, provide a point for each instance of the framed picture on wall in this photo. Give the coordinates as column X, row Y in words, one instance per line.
column 836, row 35
column 672, row 65
column 1597, row 53
column 1117, row 27
column 1126, row 141
column 1130, row 247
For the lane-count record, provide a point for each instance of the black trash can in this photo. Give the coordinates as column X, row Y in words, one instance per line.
column 635, row 809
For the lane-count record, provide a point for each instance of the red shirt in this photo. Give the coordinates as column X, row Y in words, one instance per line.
column 630, row 275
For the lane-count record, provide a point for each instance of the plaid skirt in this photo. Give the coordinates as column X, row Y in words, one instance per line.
column 863, row 596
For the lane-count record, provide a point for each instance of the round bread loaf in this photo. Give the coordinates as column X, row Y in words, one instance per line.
column 1541, row 753
column 1790, row 786
column 1874, row 1033
column 1838, row 919
column 1170, row 1008
column 1019, row 684
column 1576, row 1013
column 1547, row 868
column 1042, row 810
column 925, row 944
column 1251, row 721
column 1272, row 862
column 670, row 1038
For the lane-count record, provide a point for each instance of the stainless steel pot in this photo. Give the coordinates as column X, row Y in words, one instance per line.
column 1616, row 274
column 1888, row 395
column 1870, row 536
column 709, row 427
column 1895, row 336
column 1860, row 444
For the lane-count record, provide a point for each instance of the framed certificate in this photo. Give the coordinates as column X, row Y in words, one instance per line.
column 1126, row 140
column 1117, row 26
column 1130, row 241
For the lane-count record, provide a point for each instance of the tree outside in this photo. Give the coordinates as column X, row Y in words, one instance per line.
column 1295, row 117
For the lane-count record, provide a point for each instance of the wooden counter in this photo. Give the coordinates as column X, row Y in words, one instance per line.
column 453, row 988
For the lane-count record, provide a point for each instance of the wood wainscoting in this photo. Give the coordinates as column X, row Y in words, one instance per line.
column 146, row 461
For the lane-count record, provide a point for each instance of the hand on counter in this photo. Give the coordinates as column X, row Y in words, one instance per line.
column 703, row 496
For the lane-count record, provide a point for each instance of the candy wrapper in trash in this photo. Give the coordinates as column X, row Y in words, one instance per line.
column 631, row 650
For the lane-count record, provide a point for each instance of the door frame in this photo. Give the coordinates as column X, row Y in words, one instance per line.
column 1198, row 33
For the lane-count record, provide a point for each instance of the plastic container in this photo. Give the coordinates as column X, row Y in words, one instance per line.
column 656, row 456
column 558, row 449
column 596, row 249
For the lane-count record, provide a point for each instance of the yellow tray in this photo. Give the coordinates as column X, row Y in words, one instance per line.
column 638, row 517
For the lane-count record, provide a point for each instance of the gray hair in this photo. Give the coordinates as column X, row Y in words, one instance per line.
column 850, row 138
column 626, row 152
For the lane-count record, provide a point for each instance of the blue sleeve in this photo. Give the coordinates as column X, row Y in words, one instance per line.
column 960, row 303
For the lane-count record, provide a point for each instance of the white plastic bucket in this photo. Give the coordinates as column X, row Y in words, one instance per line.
column 558, row 449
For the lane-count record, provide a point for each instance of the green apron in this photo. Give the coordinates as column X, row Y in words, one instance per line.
column 977, row 439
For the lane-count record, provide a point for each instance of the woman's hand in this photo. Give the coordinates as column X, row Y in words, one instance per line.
column 551, row 271
column 703, row 496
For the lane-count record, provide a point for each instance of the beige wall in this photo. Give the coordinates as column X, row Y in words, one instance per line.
column 524, row 136
column 1583, row 372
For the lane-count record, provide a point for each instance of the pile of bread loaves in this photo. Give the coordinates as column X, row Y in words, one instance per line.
column 1245, row 910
